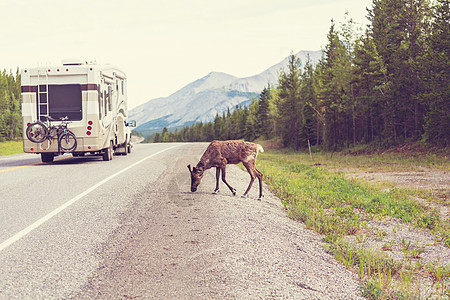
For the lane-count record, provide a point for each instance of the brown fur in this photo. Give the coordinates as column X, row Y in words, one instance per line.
column 219, row 154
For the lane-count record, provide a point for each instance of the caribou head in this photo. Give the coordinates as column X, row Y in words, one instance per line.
column 196, row 176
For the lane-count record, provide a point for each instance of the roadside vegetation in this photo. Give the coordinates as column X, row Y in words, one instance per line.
column 10, row 106
column 392, row 237
column 10, row 147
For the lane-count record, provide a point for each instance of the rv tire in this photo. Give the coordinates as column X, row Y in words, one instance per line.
column 47, row 157
column 108, row 154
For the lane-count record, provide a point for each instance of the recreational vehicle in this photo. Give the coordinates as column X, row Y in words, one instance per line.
column 80, row 103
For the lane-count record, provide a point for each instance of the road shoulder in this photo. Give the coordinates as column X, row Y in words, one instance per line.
column 174, row 244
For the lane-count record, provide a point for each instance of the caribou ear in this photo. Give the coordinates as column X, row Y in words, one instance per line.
column 189, row 168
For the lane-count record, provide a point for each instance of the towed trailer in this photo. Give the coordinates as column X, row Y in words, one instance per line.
column 91, row 98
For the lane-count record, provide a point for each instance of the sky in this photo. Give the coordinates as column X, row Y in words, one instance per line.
column 165, row 45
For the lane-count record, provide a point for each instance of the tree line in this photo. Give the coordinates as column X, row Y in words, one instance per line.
column 385, row 84
column 10, row 106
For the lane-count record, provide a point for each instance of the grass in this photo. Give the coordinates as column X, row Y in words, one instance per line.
column 396, row 159
column 321, row 198
column 315, row 193
column 10, row 147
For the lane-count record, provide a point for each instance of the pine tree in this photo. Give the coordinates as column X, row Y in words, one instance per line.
column 218, row 127
column 165, row 135
column 243, row 116
column 262, row 115
column 371, row 88
column 252, row 122
column 308, row 125
column 398, row 28
column 234, row 121
column 435, row 76
column 289, row 105
column 332, row 88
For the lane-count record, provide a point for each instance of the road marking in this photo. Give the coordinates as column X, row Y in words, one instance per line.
column 44, row 219
column 35, row 164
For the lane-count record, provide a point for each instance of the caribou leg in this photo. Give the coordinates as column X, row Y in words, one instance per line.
column 251, row 169
column 252, row 176
column 233, row 190
column 217, row 181
column 259, row 174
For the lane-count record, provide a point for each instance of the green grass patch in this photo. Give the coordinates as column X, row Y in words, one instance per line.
column 383, row 161
column 328, row 202
column 336, row 207
column 11, row 147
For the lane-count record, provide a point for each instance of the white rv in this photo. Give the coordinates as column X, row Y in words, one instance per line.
column 92, row 97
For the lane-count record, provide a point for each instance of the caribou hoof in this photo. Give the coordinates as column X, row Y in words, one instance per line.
column 215, row 192
column 244, row 196
column 234, row 192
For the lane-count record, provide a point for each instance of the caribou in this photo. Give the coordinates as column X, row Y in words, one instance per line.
column 221, row 153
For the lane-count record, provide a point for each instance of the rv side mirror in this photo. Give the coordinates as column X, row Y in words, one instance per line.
column 131, row 123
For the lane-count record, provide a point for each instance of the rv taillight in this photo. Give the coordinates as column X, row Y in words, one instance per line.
column 88, row 133
column 90, row 122
column 28, row 124
column 32, row 149
column 89, row 128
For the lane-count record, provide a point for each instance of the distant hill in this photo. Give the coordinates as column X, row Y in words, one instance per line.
column 202, row 99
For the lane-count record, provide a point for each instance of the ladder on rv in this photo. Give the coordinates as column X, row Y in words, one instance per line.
column 42, row 97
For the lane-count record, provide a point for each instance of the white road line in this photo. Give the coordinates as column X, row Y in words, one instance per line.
column 44, row 219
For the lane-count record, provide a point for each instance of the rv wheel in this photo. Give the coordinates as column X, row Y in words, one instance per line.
column 108, row 154
column 47, row 157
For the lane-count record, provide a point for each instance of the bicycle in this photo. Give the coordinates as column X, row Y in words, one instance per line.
column 39, row 132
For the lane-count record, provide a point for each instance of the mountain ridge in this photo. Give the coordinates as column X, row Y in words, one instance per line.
column 202, row 99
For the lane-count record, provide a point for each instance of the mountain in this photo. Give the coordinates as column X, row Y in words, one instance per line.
column 202, row 99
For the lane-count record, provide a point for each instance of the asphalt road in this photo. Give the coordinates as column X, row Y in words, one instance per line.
column 82, row 228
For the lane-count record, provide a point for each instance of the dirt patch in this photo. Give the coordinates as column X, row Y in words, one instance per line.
column 400, row 241
column 438, row 181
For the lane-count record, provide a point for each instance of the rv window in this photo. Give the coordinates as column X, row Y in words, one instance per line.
column 63, row 100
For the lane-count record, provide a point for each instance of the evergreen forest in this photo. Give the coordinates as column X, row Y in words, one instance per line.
column 383, row 85
column 10, row 106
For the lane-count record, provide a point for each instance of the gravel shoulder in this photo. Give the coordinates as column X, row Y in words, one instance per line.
column 395, row 232
column 173, row 244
